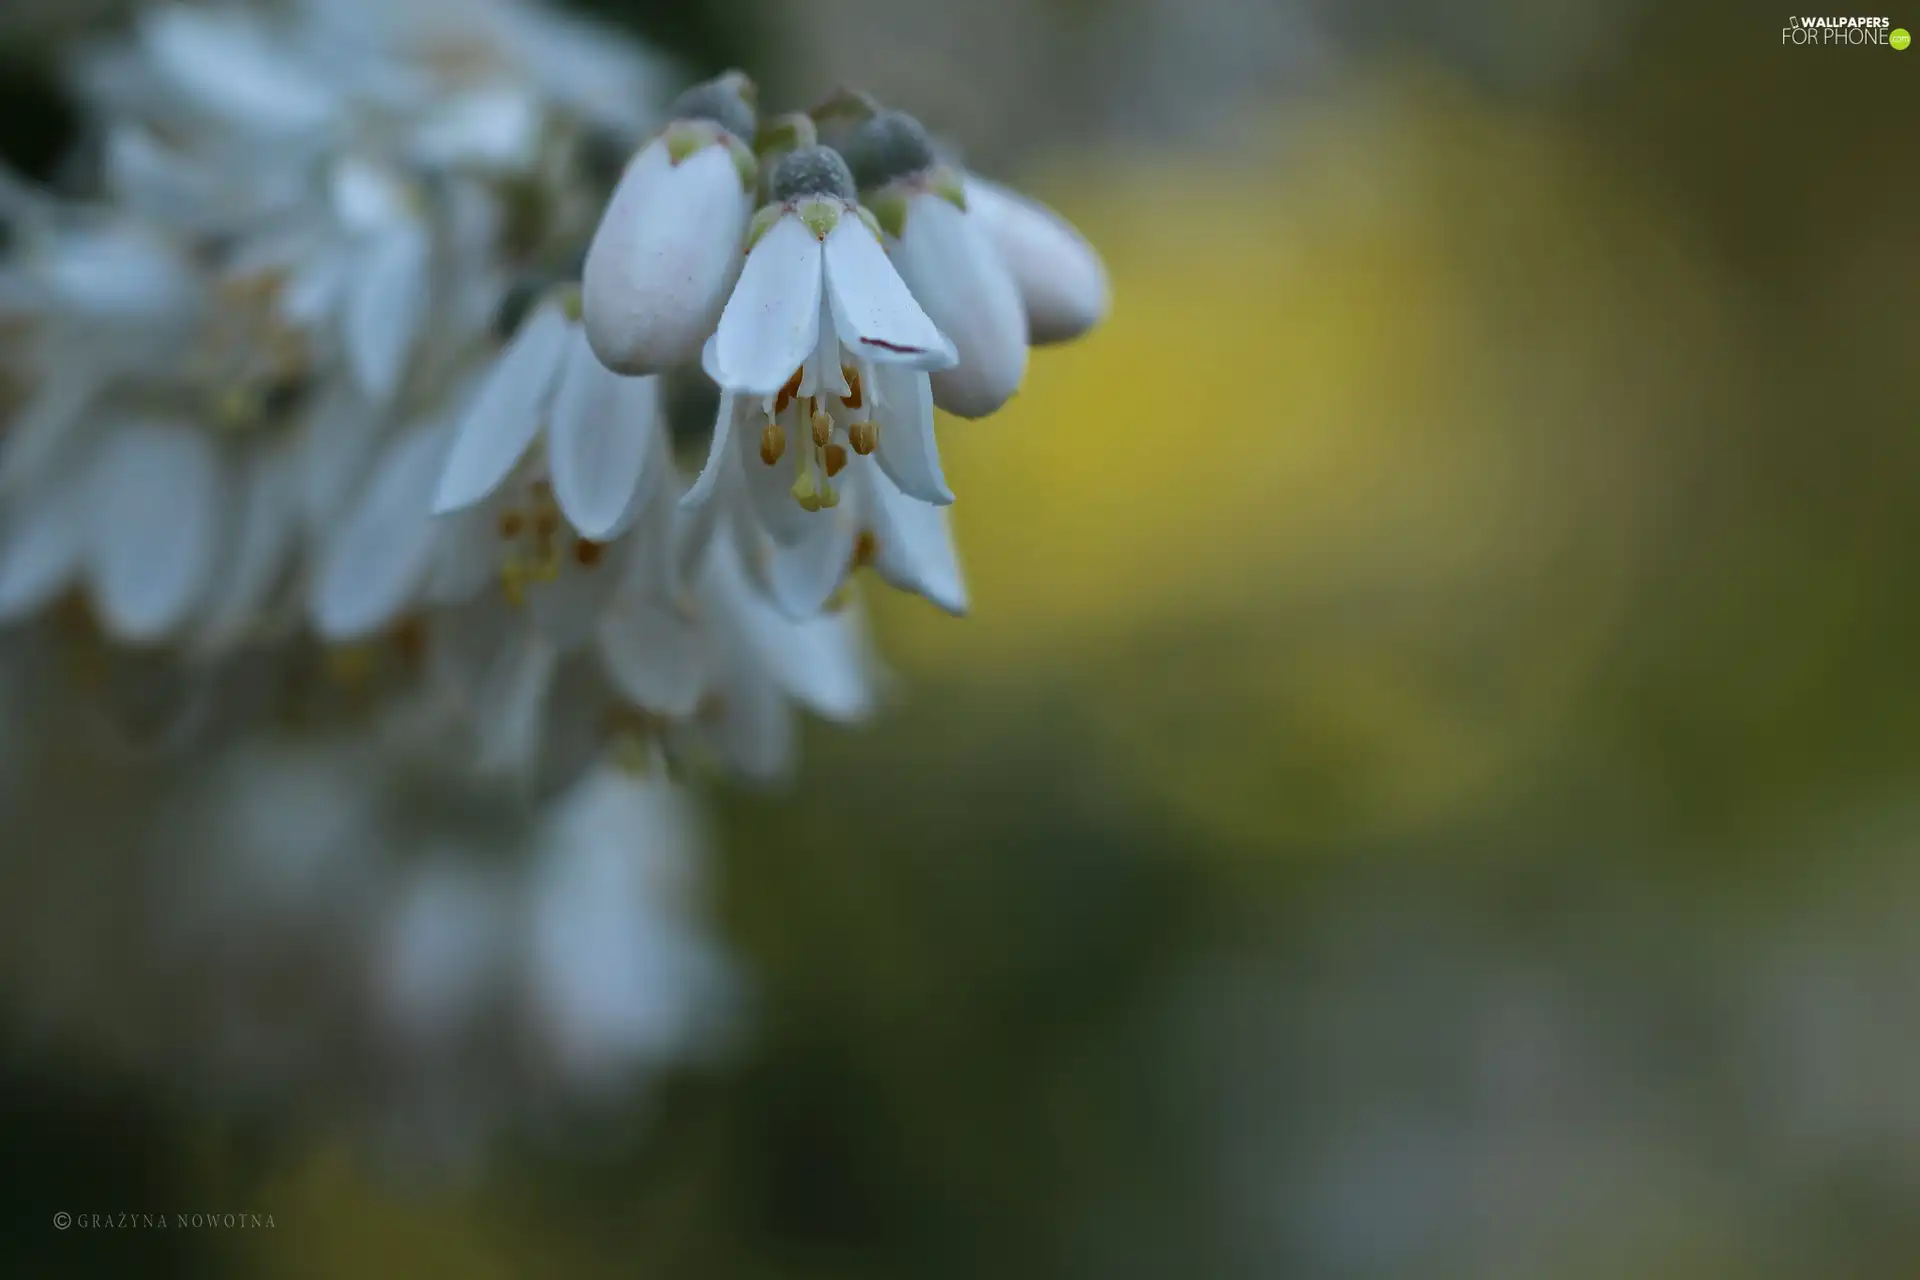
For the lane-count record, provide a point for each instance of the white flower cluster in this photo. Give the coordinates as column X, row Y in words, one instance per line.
column 261, row 394
column 333, row 386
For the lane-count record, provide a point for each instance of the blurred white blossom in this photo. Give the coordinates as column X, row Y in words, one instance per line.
column 338, row 482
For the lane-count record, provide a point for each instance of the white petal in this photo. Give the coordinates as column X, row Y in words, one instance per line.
column 907, row 451
column 768, row 491
column 506, row 412
column 48, row 425
column 441, row 945
column 801, row 578
column 826, row 666
column 955, row 274
column 1061, row 280
column 224, row 61
column 466, row 554
column 315, row 285
column 372, row 570
column 119, row 272
column 617, row 974
column 872, row 310
column 337, row 444
column 914, row 546
column 387, row 306
column 510, row 707
column 40, row 553
column 755, row 732
column 653, row 654
column 603, row 431
column 257, row 549
column 665, row 258
column 701, row 493
column 772, row 320
column 367, row 198
column 157, row 506
column 496, row 127
column 822, row 661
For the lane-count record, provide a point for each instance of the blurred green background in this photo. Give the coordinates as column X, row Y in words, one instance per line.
column 1429, row 787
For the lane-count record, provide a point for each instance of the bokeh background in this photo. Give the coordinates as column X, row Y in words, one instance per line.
column 1429, row 786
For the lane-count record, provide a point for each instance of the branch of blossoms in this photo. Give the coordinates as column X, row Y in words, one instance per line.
column 332, row 390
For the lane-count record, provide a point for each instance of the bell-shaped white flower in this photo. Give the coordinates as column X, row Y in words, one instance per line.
column 667, row 251
column 816, row 277
column 789, row 449
column 947, row 259
column 1060, row 278
column 905, row 541
column 602, row 429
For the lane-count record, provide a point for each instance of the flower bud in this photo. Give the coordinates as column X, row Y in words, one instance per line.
column 667, row 251
column 1061, row 280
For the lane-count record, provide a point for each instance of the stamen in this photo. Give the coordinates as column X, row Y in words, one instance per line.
column 788, row 392
column 805, row 492
column 587, row 553
column 513, row 583
column 853, row 398
column 864, row 437
column 773, row 443
column 836, row 459
column 822, row 429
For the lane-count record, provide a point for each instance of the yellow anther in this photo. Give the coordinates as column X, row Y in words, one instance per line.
column 853, row 398
column 773, row 443
column 788, row 392
column 351, row 665
column 822, row 429
column 804, row 491
column 588, row 553
column 513, row 583
column 836, row 459
column 631, row 753
column 864, row 437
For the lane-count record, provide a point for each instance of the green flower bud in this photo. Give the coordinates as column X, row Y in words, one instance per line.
column 810, row 171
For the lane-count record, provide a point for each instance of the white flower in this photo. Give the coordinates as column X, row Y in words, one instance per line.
column 667, row 251
column 618, row 974
column 946, row 259
column 817, row 280
column 1061, row 280
column 441, row 947
column 967, row 290
column 602, row 429
column 154, row 515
